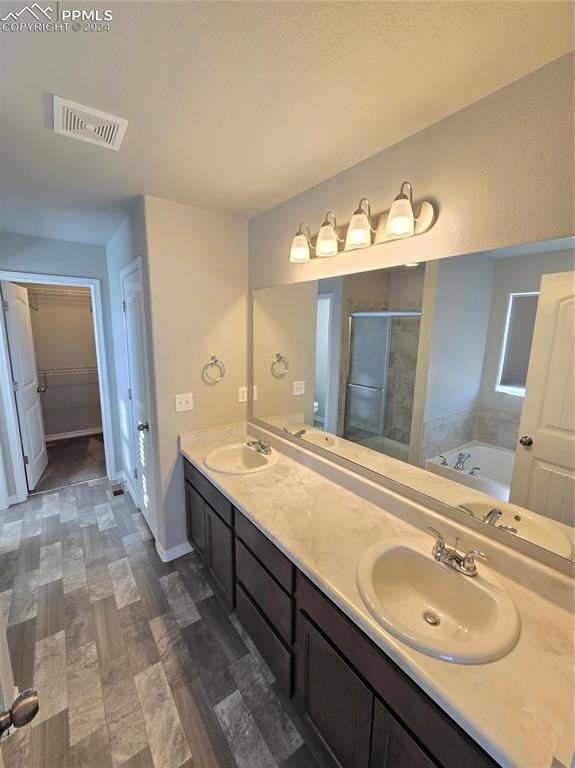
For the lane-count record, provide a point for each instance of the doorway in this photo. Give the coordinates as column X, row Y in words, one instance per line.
column 52, row 361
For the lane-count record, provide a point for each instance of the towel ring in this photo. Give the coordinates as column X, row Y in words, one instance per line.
column 214, row 362
column 279, row 366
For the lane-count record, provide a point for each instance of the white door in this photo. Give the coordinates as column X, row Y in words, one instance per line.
column 544, row 471
column 135, row 336
column 21, row 343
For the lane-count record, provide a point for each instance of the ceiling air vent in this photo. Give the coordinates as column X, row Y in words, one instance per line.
column 87, row 124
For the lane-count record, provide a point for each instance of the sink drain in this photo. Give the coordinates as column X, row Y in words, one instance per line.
column 431, row 618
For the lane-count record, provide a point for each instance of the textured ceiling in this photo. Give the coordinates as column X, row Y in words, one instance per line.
column 239, row 106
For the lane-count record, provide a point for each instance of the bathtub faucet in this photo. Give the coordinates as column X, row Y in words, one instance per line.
column 461, row 459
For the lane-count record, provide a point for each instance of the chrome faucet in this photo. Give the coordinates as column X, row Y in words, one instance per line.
column 260, row 445
column 492, row 516
column 299, row 433
column 461, row 459
column 449, row 556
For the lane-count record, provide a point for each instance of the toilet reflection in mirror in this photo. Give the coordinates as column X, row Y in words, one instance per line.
column 462, row 367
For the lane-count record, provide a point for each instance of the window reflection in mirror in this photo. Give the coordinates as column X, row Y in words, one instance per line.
column 444, row 366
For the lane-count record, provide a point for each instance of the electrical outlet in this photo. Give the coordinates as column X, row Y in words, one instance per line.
column 242, row 394
column 255, row 392
column 298, row 388
column 185, row 402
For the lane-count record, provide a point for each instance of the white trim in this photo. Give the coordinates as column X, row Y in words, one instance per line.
column 153, row 459
column 171, row 554
column 11, row 420
column 77, row 433
column 105, row 401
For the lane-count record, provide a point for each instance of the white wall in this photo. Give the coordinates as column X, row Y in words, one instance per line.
column 59, row 257
column 460, row 320
column 513, row 274
column 124, row 247
column 500, row 172
column 196, row 265
column 63, row 333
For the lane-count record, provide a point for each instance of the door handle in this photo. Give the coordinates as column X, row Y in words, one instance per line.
column 24, row 709
column 526, row 441
column 143, row 427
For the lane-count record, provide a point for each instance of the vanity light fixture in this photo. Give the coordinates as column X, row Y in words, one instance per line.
column 301, row 245
column 360, row 230
column 400, row 220
column 327, row 239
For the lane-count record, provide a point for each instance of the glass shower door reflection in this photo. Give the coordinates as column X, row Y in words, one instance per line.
column 369, row 337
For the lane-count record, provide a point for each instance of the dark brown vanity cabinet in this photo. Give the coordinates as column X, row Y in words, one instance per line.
column 265, row 604
column 358, row 704
column 392, row 746
column 334, row 701
column 211, row 535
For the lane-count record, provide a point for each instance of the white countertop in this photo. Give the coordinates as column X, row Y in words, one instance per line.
column 517, row 707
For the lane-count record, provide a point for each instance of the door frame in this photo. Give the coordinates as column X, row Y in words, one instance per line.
column 133, row 266
column 6, row 389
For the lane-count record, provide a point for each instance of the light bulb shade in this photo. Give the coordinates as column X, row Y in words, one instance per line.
column 358, row 232
column 400, row 221
column 326, row 244
column 299, row 249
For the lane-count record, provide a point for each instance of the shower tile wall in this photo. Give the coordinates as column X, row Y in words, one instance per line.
column 488, row 425
column 497, row 427
column 401, row 378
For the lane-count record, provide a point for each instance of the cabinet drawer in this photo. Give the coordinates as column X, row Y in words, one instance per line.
column 449, row 745
column 264, row 590
column 276, row 655
column 275, row 561
column 210, row 493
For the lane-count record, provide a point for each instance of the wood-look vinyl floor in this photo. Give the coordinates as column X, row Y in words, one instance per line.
column 136, row 663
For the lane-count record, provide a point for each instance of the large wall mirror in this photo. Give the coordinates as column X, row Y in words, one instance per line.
column 453, row 377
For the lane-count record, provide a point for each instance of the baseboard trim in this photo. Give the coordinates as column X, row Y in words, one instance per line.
column 77, row 433
column 171, row 554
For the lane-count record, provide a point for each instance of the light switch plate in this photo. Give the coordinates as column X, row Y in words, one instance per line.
column 242, row 394
column 255, row 392
column 298, row 388
column 185, row 402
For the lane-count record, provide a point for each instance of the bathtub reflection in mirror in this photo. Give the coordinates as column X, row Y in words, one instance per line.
column 462, row 367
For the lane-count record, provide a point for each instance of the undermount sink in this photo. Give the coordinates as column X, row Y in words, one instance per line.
column 530, row 526
column 433, row 608
column 239, row 459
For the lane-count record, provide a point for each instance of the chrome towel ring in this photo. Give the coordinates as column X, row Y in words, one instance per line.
column 279, row 366
column 214, row 363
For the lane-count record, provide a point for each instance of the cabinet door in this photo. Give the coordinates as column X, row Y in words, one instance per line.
column 195, row 520
column 392, row 746
column 333, row 699
column 221, row 555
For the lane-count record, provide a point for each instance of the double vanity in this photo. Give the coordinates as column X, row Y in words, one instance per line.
column 405, row 640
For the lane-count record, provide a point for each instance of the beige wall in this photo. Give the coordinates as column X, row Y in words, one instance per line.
column 285, row 322
column 196, row 268
column 63, row 333
column 500, row 173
